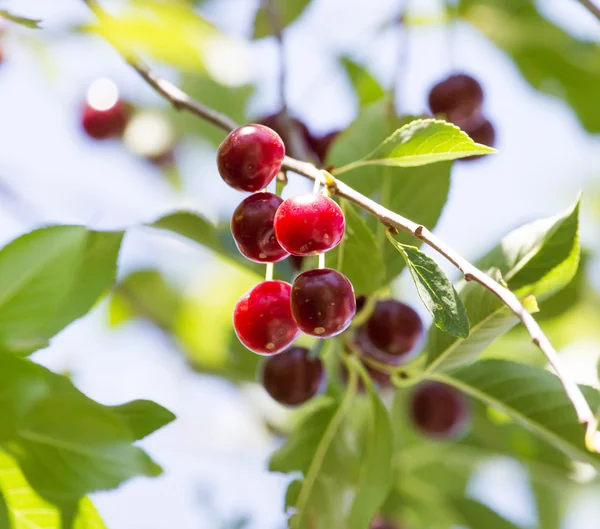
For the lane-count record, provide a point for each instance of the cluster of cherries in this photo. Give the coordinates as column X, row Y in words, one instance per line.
column 105, row 115
column 459, row 99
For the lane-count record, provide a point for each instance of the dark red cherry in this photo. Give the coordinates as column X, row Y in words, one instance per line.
column 278, row 123
column 394, row 330
column 309, row 224
column 252, row 228
column 323, row 302
column 292, row 377
column 105, row 123
column 439, row 411
column 322, row 144
column 250, row 157
column 483, row 133
column 459, row 97
column 263, row 320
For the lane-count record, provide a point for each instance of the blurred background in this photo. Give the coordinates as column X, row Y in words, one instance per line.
column 165, row 332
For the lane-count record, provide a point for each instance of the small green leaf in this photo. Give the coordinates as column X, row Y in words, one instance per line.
column 31, row 23
column 533, row 397
column 285, row 11
column 421, row 142
column 366, row 87
column 476, row 515
column 436, row 291
column 535, row 260
column 49, row 278
column 27, row 510
column 143, row 417
column 366, row 273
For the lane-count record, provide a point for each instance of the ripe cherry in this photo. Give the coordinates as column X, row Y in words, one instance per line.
column 439, row 411
column 250, row 157
column 104, row 114
column 292, row 377
column 484, row 133
column 323, row 302
column 252, row 228
column 322, row 144
column 392, row 332
column 459, row 97
column 309, row 224
column 263, row 320
column 279, row 124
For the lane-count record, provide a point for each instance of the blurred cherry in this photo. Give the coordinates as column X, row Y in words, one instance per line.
column 104, row 114
column 150, row 135
column 458, row 97
column 484, row 133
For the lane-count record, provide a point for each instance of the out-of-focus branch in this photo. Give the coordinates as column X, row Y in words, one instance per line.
column 591, row 7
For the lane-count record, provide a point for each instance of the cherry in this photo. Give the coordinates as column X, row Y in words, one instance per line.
column 459, row 97
column 439, row 411
column 309, row 224
column 484, row 133
column 262, row 318
column 250, row 157
column 292, row 377
column 252, row 228
column 278, row 124
column 323, row 302
column 322, row 144
column 104, row 114
column 392, row 332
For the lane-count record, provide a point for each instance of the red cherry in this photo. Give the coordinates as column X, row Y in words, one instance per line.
column 105, row 123
column 250, row 157
column 262, row 318
column 309, row 224
column 439, row 411
column 459, row 97
column 392, row 332
column 483, row 133
column 252, row 228
column 292, row 377
column 323, row 302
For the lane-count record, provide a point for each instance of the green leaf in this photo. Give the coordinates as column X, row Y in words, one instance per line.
column 376, row 477
column 366, row 273
column 436, row 291
column 27, row 510
column 66, row 444
column 49, row 278
column 418, row 193
column 31, row 23
column 477, row 515
column 285, row 11
column 535, row 260
column 533, row 397
column 549, row 58
column 421, row 142
column 366, row 87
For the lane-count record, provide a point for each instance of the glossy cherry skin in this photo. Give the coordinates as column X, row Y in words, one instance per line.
column 104, row 124
column 250, row 157
column 439, row 411
column 484, row 133
column 323, row 302
column 394, row 330
column 292, row 378
column 458, row 97
column 309, row 224
column 252, row 228
column 262, row 318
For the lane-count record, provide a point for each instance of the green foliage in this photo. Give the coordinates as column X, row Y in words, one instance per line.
column 366, row 87
column 49, row 278
column 476, row 515
column 531, row 396
column 284, row 12
column 30, row 23
column 535, row 260
column 436, row 291
column 549, row 58
column 24, row 509
column 421, row 142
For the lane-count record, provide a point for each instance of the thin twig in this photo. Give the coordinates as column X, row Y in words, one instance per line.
column 182, row 101
column 591, row 7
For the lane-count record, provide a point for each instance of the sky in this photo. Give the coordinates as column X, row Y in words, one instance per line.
column 218, row 446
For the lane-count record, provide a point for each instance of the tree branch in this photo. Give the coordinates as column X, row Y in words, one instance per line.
column 182, row 101
column 591, row 7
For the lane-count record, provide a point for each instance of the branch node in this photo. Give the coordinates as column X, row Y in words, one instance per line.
column 392, row 229
column 536, row 340
column 469, row 276
column 419, row 232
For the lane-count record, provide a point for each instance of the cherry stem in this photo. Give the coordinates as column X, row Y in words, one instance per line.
column 322, row 260
column 316, row 186
column 269, row 272
column 182, row 101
